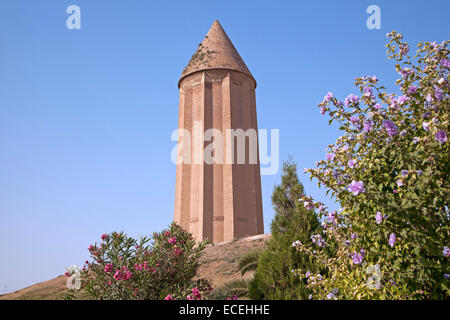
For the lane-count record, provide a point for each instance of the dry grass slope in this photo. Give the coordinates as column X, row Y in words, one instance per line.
column 219, row 262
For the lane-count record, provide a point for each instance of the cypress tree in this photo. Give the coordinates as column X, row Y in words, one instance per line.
column 273, row 278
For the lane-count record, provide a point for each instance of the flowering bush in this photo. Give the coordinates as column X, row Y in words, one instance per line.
column 390, row 173
column 159, row 268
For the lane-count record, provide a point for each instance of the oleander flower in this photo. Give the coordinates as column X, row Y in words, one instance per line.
column 72, row 269
column 108, row 267
column 118, row 275
column 74, row 281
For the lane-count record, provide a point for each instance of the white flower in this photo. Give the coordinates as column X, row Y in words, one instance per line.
column 74, row 280
column 72, row 269
column 296, row 243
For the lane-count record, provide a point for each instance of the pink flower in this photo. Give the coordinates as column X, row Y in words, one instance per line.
column 196, row 292
column 109, row 267
column 118, row 275
column 190, row 298
column 356, row 187
column 351, row 163
column 351, row 98
column 308, row 205
column 167, row 234
column 128, row 275
column 405, row 71
column 392, row 240
column 104, row 236
column 91, row 247
column 168, row 297
column 177, row 251
column 402, row 99
column 328, row 96
column 173, row 240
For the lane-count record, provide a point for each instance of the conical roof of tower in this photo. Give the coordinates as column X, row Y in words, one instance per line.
column 215, row 52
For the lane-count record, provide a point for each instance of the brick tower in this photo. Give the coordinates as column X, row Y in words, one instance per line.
column 219, row 200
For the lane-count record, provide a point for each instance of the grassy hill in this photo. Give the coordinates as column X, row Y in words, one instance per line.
column 219, row 263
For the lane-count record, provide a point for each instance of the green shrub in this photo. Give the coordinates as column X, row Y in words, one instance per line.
column 273, row 278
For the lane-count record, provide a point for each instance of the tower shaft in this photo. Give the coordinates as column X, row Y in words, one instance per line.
column 219, row 200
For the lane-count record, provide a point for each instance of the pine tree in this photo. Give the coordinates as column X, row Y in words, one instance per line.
column 273, row 278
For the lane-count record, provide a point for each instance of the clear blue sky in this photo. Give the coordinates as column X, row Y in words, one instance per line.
column 86, row 115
